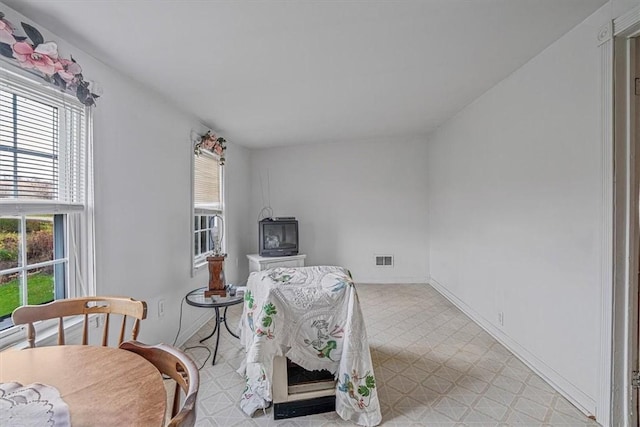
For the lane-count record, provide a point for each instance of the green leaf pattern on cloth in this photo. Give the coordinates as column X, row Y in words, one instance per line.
column 326, row 341
column 279, row 276
column 266, row 314
column 312, row 316
column 349, row 383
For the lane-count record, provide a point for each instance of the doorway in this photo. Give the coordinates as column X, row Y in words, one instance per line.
column 633, row 93
column 625, row 405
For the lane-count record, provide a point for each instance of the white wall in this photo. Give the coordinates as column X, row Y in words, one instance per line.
column 352, row 200
column 620, row 7
column 514, row 196
column 237, row 184
column 142, row 186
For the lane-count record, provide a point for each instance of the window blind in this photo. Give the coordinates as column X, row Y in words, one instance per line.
column 42, row 154
column 207, row 192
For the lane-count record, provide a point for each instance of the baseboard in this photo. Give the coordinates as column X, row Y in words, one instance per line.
column 394, row 280
column 195, row 326
column 567, row 389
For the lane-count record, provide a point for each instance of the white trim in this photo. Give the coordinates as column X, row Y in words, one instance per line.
column 572, row 393
column 12, row 335
column 625, row 249
column 24, row 207
column 626, row 21
column 193, row 266
column 604, row 375
column 411, row 280
column 22, row 82
column 605, row 33
column 195, row 326
column 199, row 262
column 35, row 265
column 15, row 337
column 90, row 285
column 213, row 209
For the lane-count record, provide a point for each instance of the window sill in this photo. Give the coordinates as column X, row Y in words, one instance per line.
column 200, row 262
column 198, row 265
column 15, row 338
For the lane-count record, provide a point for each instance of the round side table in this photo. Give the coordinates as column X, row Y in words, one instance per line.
column 196, row 298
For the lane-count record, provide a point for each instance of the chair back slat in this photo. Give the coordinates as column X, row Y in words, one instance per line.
column 180, row 367
column 135, row 329
column 60, row 331
column 105, row 331
column 85, row 329
column 84, row 306
column 121, row 334
column 31, row 335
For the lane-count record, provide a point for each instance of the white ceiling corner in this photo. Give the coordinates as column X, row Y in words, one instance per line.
column 279, row 72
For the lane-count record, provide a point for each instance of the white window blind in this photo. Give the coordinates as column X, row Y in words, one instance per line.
column 207, row 193
column 42, row 150
column 46, row 196
column 208, row 204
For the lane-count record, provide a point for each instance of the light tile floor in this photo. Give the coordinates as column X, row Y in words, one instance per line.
column 433, row 366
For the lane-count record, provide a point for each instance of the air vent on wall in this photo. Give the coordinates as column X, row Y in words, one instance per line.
column 384, row 260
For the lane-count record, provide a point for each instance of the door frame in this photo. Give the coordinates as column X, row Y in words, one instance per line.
column 617, row 401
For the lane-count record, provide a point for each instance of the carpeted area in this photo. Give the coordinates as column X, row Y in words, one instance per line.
column 433, row 366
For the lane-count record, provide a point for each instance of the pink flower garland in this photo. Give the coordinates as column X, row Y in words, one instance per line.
column 209, row 141
column 43, row 58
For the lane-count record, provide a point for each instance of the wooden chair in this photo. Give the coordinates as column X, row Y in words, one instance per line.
column 84, row 306
column 179, row 366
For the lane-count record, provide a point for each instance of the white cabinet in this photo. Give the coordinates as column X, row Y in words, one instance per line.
column 259, row 263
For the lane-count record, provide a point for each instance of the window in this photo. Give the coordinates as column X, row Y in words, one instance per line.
column 44, row 197
column 207, row 206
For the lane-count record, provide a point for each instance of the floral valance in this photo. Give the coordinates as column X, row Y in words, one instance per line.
column 213, row 143
column 30, row 51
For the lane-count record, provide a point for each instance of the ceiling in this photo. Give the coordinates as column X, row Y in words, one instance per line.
column 273, row 73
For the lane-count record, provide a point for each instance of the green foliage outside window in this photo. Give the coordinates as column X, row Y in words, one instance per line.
column 39, row 248
column 40, row 291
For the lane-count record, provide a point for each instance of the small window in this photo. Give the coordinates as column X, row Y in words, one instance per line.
column 208, row 214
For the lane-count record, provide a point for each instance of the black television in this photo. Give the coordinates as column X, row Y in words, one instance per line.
column 278, row 237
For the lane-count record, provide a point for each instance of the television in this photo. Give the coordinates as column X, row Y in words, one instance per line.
column 278, row 236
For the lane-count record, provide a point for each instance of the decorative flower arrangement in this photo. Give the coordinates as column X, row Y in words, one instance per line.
column 209, row 141
column 33, row 53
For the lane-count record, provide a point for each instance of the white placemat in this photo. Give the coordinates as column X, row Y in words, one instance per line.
column 32, row 405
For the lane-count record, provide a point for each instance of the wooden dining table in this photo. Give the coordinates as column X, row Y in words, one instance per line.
column 101, row 385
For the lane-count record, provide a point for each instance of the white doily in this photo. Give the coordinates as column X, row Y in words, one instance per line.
column 32, row 405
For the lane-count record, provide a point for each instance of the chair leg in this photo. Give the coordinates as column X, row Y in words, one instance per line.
column 176, row 400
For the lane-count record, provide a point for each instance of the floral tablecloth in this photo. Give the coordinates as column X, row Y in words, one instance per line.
column 312, row 316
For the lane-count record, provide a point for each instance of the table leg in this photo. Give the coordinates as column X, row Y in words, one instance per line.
column 224, row 318
column 214, row 328
column 218, row 327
